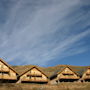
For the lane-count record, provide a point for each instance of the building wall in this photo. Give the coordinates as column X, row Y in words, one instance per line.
column 6, row 72
column 67, row 74
column 33, row 75
column 86, row 75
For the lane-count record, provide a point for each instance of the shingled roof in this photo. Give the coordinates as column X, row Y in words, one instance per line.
column 22, row 69
column 56, row 72
column 79, row 71
column 52, row 71
column 32, row 68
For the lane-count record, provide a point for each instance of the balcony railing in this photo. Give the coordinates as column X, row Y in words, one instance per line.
column 34, row 75
column 34, row 80
column 7, row 77
column 67, row 74
column 4, row 69
column 68, row 77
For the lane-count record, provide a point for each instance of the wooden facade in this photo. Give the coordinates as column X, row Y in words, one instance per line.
column 67, row 75
column 86, row 75
column 7, row 73
column 33, row 75
column 64, row 75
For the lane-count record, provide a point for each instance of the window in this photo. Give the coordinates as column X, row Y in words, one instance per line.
column 65, row 74
column 29, row 76
column 5, row 72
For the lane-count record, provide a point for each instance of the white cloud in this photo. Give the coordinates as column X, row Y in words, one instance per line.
column 39, row 31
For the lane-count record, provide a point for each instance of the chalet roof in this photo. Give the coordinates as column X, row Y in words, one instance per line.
column 60, row 70
column 39, row 69
column 77, row 70
column 84, row 71
column 56, row 73
column 80, row 71
column 70, row 69
column 8, row 65
column 52, row 71
column 24, row 68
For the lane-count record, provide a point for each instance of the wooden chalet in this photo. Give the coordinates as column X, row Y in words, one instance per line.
column 33, row 75
column 66, row 74
column 86, row 75
column 7, row 73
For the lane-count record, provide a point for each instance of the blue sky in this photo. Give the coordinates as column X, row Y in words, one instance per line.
column 45, row 32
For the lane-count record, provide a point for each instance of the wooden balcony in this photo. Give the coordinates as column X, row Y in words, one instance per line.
column 67, row 74
column 4, row 69
column 34, row 75
column 34, row 80
column 68, row 77
column 7, row 77
column 12, row 78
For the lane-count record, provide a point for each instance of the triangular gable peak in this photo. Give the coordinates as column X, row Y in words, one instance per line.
column 6, row 71
column 33, row 75
column 86, row 74
column 67, row 73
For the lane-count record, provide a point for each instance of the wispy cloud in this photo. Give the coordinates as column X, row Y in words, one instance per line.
column 36, row 32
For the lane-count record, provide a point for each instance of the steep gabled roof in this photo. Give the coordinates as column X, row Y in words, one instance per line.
column 69, row 69
column 52, row 71
column 36, row 68
column 60, row 70
column 79, row 71
column 8, row 65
